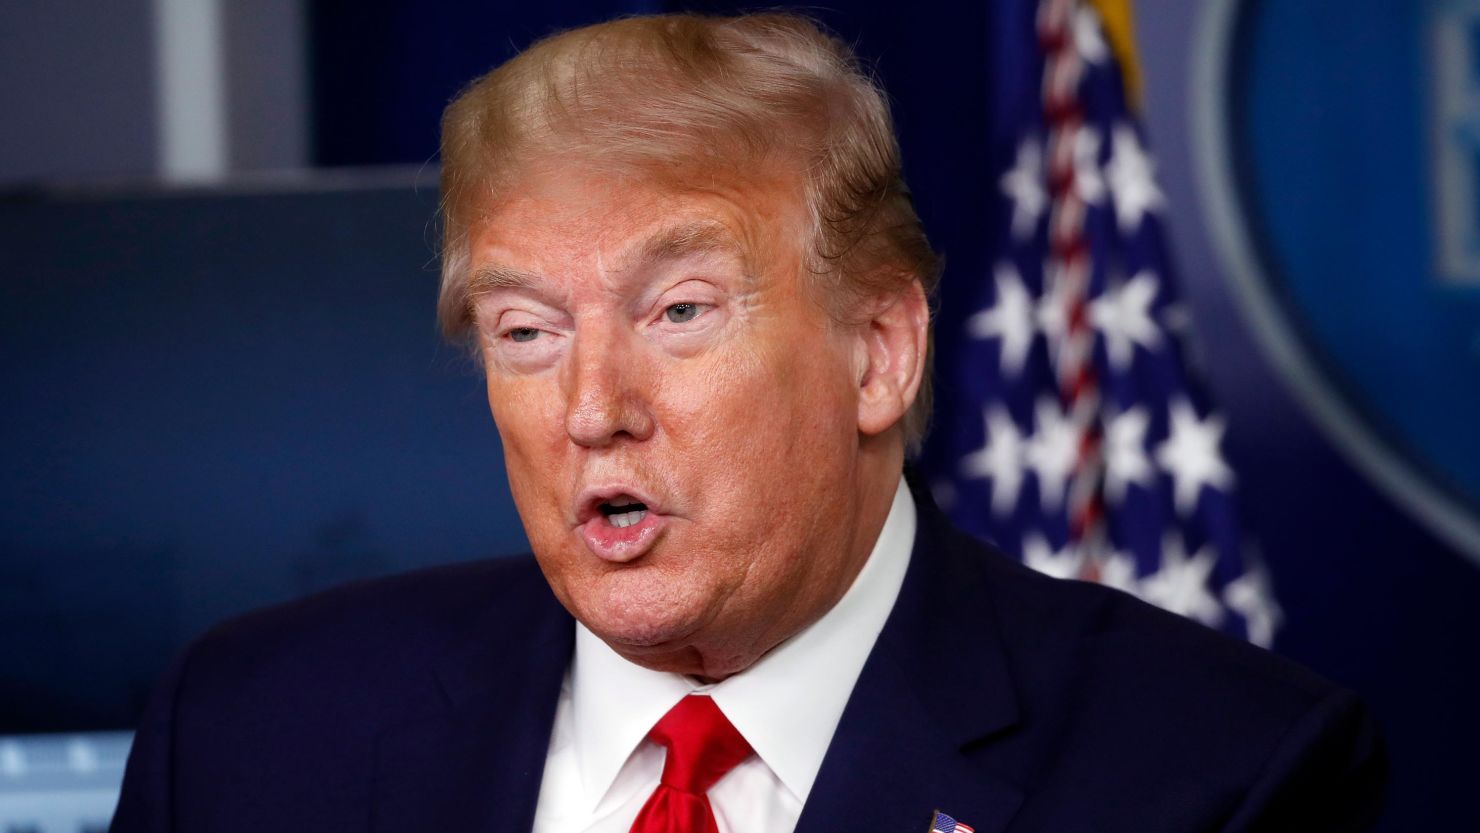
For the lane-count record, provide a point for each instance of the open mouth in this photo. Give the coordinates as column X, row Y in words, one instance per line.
column 620, row 526
column 622, row 512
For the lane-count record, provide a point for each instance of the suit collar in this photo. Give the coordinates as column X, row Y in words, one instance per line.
column 473, row 760
column 936, row 685
column 944, row 631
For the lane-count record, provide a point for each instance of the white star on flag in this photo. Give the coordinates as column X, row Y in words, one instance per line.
column 1023, row 184
column 1118, row 570
column 1126, row 461
column 1123, row 316
column 1251, row 597
column 1000, row 458
column 1010, row 319
column 1052, row 451
column 1088, row 183
column 1190, row 455
column 1132, row 177
column 1181, row 585
column 1087, row 39
column 1064, row 563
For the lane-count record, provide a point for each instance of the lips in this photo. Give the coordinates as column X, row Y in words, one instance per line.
column 619, row 523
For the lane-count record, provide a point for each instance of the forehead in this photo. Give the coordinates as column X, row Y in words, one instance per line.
column 562, row 215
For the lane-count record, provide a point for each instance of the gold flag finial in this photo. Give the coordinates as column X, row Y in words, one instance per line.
column 1119, row 21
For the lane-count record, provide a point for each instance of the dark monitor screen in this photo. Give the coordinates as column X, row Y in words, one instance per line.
column 218, row 399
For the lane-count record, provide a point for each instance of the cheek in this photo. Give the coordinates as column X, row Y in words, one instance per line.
column 717, row 408
column 530, row 420
column 765, row 415
column 523, row 407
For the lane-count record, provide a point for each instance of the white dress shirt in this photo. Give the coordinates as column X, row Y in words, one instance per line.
column 601, row 768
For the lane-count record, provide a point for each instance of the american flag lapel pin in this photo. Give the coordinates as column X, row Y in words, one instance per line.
column 943, row 823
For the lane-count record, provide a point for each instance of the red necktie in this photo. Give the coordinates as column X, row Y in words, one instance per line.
column 702, row 747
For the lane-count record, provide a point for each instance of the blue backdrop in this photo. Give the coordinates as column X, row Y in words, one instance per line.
column 222, row 400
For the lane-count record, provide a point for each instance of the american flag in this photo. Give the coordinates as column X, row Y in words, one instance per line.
column 945, row 824
column 1074, row 432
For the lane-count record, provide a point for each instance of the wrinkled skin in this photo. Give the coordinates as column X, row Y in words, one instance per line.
column 654, row 339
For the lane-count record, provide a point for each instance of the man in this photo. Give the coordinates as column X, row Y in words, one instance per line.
column 683, row 252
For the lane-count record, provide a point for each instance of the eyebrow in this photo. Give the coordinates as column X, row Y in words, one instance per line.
column 490, row 277
column 688, row 239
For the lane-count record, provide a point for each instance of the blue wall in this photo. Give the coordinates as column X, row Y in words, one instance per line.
column 218, row 401
column 228, row 399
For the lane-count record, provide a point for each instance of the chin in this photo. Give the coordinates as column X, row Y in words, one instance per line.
column 642, row 629
column 641, row 610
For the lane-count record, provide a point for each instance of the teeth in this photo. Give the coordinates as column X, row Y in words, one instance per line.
column 626, row 519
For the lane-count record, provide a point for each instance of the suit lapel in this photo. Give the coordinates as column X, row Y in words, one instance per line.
column 935, row 686
column 475, row 762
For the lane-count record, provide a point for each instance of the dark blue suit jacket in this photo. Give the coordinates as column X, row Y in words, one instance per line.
column 1008, row 700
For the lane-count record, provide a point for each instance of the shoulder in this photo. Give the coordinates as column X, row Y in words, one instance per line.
column 1119, row 697
column 379, row 614
column 1058, row 638
column 369, row 649
column 1123, row 646
column 283, row 710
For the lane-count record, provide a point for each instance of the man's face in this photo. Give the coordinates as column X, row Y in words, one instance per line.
column 679, row 416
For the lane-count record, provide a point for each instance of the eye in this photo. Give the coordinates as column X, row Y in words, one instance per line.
column 681, row 313
column 523, row 334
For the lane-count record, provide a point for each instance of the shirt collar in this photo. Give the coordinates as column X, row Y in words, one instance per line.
column 787, row 705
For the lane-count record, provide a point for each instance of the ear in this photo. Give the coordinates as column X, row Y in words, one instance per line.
column 891, row 358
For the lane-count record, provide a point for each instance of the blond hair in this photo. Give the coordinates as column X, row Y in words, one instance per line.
column 772, row 88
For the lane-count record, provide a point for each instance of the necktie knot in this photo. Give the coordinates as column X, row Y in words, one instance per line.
column 702, row 744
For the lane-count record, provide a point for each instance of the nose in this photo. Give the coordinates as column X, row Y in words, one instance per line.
column 605, row 391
